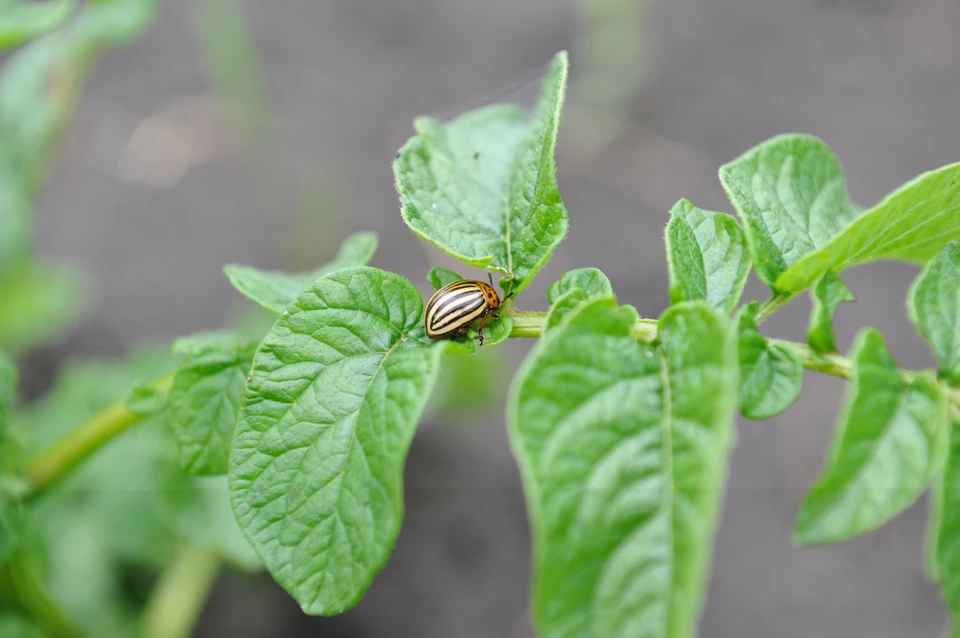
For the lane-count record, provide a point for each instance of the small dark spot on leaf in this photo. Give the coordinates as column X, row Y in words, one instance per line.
column 476, row 156
column 397, row 156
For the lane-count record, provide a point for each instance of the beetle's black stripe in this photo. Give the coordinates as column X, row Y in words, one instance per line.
column 447, row 314
column 441, row 304
column 445, row 300
column 461, row 322
column 447, row 290
column 456, row 306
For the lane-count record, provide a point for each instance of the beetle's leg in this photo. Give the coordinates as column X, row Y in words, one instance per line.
column 480, row 329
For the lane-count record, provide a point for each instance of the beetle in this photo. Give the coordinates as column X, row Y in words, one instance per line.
column 455, row 307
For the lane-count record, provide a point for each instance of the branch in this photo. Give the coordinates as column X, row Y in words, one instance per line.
column 530, row 324
column 180, row 594
column 53, row 465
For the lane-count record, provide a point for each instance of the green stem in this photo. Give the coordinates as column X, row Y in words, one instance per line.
column 180, row 594
column 51, row 466
column 771, row 305
column 527, row 324
column 530, row 325
column 32, row 593
column 832, row 364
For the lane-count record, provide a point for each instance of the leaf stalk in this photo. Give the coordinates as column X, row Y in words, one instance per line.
column 51, row 466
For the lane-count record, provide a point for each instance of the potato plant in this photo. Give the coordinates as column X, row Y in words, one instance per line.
column 621, row 425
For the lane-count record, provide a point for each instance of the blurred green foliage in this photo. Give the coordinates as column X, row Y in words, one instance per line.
column 39, row 86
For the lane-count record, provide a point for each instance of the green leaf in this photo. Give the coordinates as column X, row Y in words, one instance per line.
column 931, row 540
column 623, row 451
column 39, row 303
column 201, row 342
column 590, row 280
column 114, row 22
column 145, row 400
column 22, row 21
column 886, row 449
column 38, row 89
column 205, row 402
column 792, row 198
column 202, row 517
column 18, row 627
column 945, row 525
column 8, row 388
column 483, row 186
column 128, row 506
column 326, row 421
column 128, row 519
column 826, row 296
column 563, row 305
column 699, row 350
column 440, row 277
column 707, row 256
column 911, row 224
column 572, row 289
column 771, row 374
column 934, row 308
column 274, row 290
column 12, row 524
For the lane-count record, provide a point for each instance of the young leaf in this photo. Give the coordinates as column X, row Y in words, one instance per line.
column 945, row 530
column 200, row 342
column 707, row 256
column 440, row 277
column 590, row 280
column 326, row 420
column 8, row 388
column 483, row 186
column 274, row 289
column 622, row 451
column 771, row 374
column 886, row 448
column 563, row 305
column 205, row 400
column 23, row 21
column 792, row 198
column 144, row 400
column 826, row 296
column 911, row 224
column 934, row 307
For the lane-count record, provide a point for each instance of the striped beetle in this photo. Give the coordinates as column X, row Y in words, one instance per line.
column 453, row 308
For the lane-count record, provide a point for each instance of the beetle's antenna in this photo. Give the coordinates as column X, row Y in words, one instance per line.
column 490, row 277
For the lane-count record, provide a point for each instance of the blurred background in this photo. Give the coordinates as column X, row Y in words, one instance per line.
column 262, row 132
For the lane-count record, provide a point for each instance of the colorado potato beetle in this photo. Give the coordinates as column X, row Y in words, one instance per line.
column 456, row 306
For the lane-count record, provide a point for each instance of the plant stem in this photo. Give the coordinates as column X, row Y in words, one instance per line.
column 771, row 305
column 530, row 324
column 180, row 594
column 32, row 593
column 54, row 464
column 527, row 324
column 832, row 364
